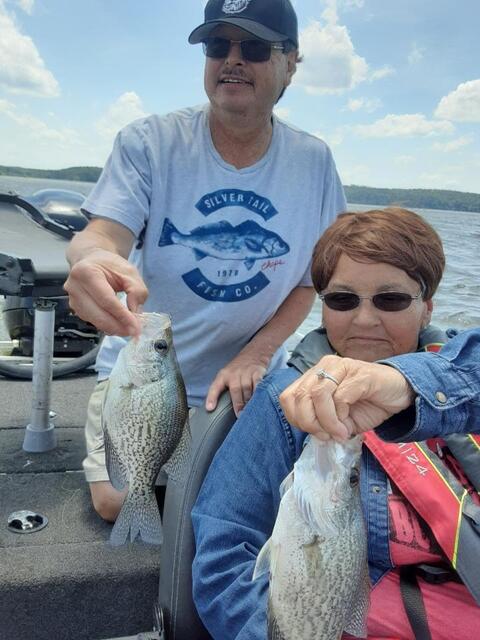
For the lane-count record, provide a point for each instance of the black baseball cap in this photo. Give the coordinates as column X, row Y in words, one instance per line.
column 271, row 20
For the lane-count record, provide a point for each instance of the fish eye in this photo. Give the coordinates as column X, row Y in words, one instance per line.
column 354, row 477
column 160, row 346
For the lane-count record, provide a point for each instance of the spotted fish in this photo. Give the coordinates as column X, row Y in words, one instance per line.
column 317, row 554
column 247, row 241
column 144, row 422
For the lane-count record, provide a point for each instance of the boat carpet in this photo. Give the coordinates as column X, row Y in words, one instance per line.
column 65, row 581
column 67, row 455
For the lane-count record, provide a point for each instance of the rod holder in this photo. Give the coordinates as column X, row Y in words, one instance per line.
column 40, row 434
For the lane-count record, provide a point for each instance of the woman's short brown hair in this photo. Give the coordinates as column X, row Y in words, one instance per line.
column 395, row 236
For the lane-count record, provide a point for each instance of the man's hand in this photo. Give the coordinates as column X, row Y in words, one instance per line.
column 367, row 394
column 241, row 375
column 92, row 286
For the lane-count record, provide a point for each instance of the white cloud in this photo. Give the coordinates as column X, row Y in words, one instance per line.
column 128, row 107
column 409, row 124
column 26, row 5
column 365, row 104
column 383, row 72
column 331, row 64
column 416, row 54
column 22, row 69
column 461, row 105
column 352, row 4
column 36, row 128
column 453, row 145
column 404, row 160
column 441, row 180
column 354, row 104
column 333, row 138
column 319, row 135
column 282, row 112
column 357, row 174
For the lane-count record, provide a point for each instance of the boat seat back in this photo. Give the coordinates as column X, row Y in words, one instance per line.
column 181, row 621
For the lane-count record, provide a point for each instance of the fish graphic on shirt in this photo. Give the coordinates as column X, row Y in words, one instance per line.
column 247, row 241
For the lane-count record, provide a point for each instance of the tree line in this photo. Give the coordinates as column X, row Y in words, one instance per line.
column 414, row 198
column 409, row 198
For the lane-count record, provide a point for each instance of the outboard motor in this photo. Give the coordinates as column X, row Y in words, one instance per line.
column 73, row 337
column 57, row 211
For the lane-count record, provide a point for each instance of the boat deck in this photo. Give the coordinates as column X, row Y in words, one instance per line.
column 65, row 581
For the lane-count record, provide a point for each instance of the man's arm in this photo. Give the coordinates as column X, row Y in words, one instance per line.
column 446, row 387
column 98, row 257
column 242, row 374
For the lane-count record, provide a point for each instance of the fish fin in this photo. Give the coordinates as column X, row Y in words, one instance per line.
column 305, row 508
column 117, row 472
column 138, row 519
column 212, row 227
column 199, row 255
column 312, row 555
column 253, row 245
column 119, row 378
column 356, row 624
column 179, row 463
column 167, row 231
column 286, row 484
column 249, row 263
column 264, row 560
column 249, row 226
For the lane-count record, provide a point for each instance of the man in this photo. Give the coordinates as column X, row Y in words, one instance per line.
column 228, row 202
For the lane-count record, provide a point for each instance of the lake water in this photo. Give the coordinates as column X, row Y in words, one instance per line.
column 457, row 302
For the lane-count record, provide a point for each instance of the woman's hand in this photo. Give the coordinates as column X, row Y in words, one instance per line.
column 366, row 395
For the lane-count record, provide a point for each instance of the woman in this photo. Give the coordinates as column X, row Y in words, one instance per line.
column 376, row 273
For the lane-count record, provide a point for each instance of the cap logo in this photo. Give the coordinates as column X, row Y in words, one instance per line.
column 235, row 6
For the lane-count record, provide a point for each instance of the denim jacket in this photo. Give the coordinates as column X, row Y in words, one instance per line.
column 237, row 505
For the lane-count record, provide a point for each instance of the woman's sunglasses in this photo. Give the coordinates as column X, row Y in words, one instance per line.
column 388, row 301
column 252, row 50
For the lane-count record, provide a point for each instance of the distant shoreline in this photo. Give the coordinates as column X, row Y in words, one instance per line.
column 413, row 198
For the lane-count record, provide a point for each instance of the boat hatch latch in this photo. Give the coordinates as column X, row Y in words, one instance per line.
column 26, row 522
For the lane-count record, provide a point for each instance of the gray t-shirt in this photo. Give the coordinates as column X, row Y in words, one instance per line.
column 222, row 247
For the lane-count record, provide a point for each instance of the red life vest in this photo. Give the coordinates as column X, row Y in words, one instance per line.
column 441, row 479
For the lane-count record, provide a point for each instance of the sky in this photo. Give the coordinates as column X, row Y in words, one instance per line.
column 393, row 86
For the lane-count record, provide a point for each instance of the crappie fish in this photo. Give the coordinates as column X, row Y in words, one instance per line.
column 247, row 241
column 144, row 422
column 317, row 554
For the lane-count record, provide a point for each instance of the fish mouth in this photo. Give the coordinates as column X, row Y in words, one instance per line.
column 274, row 247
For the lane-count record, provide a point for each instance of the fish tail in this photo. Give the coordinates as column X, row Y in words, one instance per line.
column 166, row 236
column 138, row 519
column 274, row 632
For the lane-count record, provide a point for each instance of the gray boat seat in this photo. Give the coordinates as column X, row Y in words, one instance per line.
column 181, row 621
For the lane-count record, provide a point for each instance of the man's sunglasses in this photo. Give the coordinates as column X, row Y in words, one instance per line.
column 388, row 301
column 252, row 50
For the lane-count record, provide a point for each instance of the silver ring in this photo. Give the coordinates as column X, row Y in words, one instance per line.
column 321, row 373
